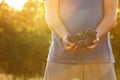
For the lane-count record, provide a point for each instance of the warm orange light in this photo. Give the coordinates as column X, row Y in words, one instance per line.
column 17, row 4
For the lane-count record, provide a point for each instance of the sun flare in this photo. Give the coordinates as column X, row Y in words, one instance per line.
column 17, row 4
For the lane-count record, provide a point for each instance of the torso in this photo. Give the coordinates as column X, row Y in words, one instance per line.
column 79, row 15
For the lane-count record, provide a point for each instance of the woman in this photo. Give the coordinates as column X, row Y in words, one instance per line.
column 65, row 60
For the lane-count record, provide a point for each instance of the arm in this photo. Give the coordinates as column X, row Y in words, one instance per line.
column 56, row 25
column 53, row 19
column 110, row 16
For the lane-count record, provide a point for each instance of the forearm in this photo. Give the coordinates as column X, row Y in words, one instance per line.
column 105, row 25
column 53, row 18
column 56, row 25
column 110, row 16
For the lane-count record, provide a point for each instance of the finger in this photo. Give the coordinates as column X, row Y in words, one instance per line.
column 96, row 40
column 70, row 47
column 91, row 47
column 75, row 48
column 67, row 42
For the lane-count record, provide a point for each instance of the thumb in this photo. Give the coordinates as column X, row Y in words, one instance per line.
column 96, row 40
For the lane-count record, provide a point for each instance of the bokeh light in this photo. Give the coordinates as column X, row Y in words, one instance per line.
column 17, row 4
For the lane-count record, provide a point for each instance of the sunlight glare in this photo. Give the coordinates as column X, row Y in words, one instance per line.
column 17, row 4
column 0, row 1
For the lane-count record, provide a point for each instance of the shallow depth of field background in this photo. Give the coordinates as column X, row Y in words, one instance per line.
column 25, row 40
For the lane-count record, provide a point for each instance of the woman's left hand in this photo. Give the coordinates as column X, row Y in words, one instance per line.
column 95, row 42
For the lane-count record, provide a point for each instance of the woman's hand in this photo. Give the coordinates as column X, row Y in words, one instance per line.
column 68, row 45
column 73, row 47
column 95, row 42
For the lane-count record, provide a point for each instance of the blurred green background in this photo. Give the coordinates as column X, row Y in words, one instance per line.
column 25, row 40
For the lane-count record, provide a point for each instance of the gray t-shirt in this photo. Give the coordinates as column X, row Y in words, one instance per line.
column 77, row 16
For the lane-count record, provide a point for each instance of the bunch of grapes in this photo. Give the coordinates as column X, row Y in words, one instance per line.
column 83, row 39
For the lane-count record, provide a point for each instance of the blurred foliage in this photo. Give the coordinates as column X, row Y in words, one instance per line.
column 115, row 40
column 25, row 39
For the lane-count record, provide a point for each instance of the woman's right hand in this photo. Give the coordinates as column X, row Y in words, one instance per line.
column 68, row 45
